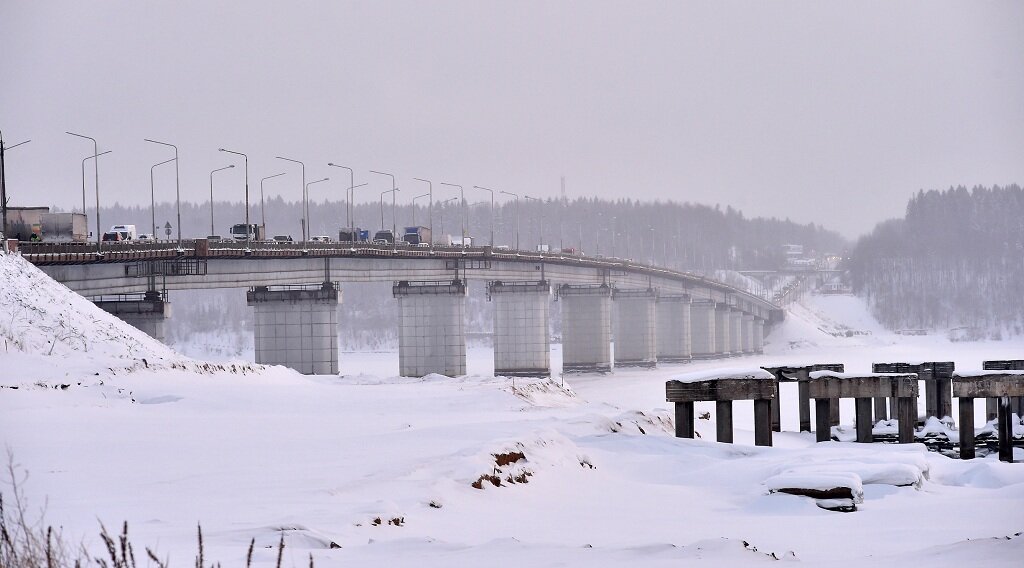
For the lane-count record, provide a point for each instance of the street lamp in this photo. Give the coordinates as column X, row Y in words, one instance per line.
column 393, row 226
column 212, row 230
column 462, row 213
column 263, row 207
column 430, row 211
column 414, row 206
column 307, row 197
column 440, row 207
column 394, row 193
column 541, row 232
column 352, row 223
column 349, row 210
column 303, row 205
column 3, row 182
column 177, row 182
column 84, row 160
column 517, row 215
column 248, row 227
column 492, row 210
column 152, row 192
column 96, row 172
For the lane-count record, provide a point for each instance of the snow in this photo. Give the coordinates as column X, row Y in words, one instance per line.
column 255, row 452
column 723, row 374
column 976, row 373
column 838, row 375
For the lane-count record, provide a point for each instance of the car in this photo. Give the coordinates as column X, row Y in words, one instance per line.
column 321, row 239
column 112, row 237
column 146, row 238
column 283, row 238
column 502, row 247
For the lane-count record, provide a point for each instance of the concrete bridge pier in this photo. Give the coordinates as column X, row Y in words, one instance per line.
column 748, row 334
column 297, row 326
column 736, row 332
column 636, row 327
column 147, row 312
column 723, row 325
column 431, row 328
column 758, row 336
column 702, row 329
column 521, row 338
column 586, row 328
column 674, row 343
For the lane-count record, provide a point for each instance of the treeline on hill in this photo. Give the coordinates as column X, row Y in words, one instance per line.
column 679, row 235
column 956, row 259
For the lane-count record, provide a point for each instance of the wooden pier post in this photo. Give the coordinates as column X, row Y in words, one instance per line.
column 763, row 422
column 684, row 419
column 907, row 418
column 1005, row 427
column 723, row 418
column 864, row 422
column 822, row 420
column 966, row 422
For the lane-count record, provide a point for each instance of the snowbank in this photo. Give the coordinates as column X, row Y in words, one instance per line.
column 723, row 374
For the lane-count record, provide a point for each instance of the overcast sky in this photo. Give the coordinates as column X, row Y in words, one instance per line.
column 830, row 112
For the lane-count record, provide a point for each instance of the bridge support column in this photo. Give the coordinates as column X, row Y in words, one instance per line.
column 636, row 328
column 521, row 338
column 673, row 333
column 758, row 335
column 147, row 312
column 748, row 334
column 431, row 328
column 722, row 328
column 702, row 329
column 586, row 328
column 735, row 332
column 297, row 327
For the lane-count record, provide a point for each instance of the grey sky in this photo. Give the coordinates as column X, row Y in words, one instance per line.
column 827, row 111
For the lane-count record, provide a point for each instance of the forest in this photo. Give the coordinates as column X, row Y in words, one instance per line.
column 955, row 260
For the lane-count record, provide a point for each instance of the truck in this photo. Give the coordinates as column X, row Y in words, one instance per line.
column 353, row 235
column 384, row 237
column 251, row 232
column 417, row 235
column 128, row 232
column 64, row 227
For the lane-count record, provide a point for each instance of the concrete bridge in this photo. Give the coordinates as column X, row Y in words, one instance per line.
column 294, row 288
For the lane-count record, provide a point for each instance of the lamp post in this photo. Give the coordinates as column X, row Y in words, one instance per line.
column 84, row 160
column 307, row 197
column 263, row 206
column 517, row 215
column 441, row 211
column 303, row 205
column 349, row 211
column 462, row 212
column 414, row 206
column 430, row 211
column 3, row 182
column 248, row 227
column 541, row 232
column 177, row 182
column 492, row 210
column 212, row 230
column 394, row 193
column 96, row 172
column 152, row 192
column 352, row 222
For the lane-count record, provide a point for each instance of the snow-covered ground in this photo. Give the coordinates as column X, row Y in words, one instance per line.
column 384, row 467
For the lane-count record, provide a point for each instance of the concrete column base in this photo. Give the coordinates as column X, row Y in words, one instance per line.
column 674, row 344
column 586, row 328
column 147, row 313
column 636, row 326
column 735, row 332
column 723, row 326
column 702, row 329
column 522, row 345
column 431, row 328
column 297, row 327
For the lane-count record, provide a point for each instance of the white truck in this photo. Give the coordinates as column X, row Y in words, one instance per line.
column 128, row 232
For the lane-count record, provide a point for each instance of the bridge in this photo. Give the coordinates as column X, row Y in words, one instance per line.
column 294, row 288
